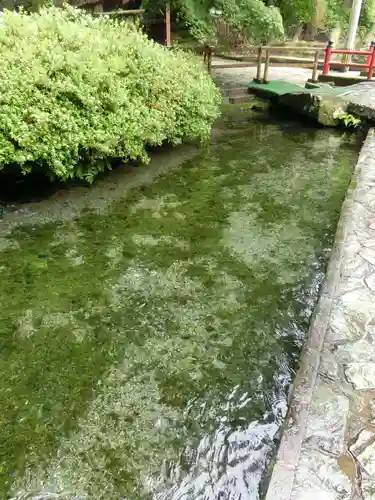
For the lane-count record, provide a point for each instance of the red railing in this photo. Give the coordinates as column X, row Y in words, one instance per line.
column 369, row 65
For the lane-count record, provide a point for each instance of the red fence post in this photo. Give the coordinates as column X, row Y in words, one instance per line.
column 327, row 58
column 371, row 65
column 370, row 49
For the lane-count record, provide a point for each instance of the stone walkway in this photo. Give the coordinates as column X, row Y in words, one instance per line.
column 328, row 448
column 235, row 77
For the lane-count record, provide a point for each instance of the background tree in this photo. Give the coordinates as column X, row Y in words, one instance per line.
column 28, row 5
column 211, row 21
column 253, row 18
column 303, row 19
column 296, row 14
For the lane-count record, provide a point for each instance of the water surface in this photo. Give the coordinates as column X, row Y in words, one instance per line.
column 149, row 328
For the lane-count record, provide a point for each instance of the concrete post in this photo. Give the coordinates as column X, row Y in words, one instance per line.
column 258, row 78
column 353, row 27
column 355, row 12
column 314, row 77
column 266, row 67
column 353, row 24
column 98, row 8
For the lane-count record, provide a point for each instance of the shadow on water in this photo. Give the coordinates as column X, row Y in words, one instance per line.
column 17, row 189
column 151, row 324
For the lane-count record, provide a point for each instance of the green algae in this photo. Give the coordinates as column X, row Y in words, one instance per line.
column 128, row 335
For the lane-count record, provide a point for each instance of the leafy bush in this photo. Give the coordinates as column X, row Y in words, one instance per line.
column 75, row 90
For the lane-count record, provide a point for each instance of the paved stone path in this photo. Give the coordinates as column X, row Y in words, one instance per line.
column 235, row 77
column 328, row 448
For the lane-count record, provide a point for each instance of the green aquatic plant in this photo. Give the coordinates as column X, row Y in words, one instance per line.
column 125, row 327
column 347, row 120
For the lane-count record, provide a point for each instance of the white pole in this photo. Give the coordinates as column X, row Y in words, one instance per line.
column 351, row 36
column 353, row 24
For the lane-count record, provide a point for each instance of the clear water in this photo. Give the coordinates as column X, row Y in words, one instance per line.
column 150, row 324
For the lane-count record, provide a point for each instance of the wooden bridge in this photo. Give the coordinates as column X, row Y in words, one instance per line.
column 323, row 59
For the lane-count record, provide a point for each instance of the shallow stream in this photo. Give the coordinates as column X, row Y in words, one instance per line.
column 150, row 324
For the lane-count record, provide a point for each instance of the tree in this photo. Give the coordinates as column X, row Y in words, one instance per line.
column 27, row 5
column 303, row 18
column 259, row 22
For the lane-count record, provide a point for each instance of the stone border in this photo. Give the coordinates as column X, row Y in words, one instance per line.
column 333, row 400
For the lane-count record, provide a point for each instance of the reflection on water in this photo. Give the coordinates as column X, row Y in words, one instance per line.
column 150, row 329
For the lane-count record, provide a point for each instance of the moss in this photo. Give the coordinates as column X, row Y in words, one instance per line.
column 329, row 111
column 126, row 336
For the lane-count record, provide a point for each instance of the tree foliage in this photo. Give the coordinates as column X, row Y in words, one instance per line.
column 336, row 13
column 325, row 14
column 253, row 17
column 77, row 89
column 296, row 11
column 27, row 5
column 260, row 22
column 263, row 21
column 367, row 19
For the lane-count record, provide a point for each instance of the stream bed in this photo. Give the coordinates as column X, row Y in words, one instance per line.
column 151, row 324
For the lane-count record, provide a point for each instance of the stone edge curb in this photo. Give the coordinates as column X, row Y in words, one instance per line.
column 284, row 470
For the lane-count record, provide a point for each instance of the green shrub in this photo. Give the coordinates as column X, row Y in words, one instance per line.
column 76, row 90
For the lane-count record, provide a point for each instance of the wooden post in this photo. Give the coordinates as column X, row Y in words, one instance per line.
column 209, row 60
column 168, row 35
column 327, row 58
column 314, row 77
column 258, row 78
column 266, row 67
